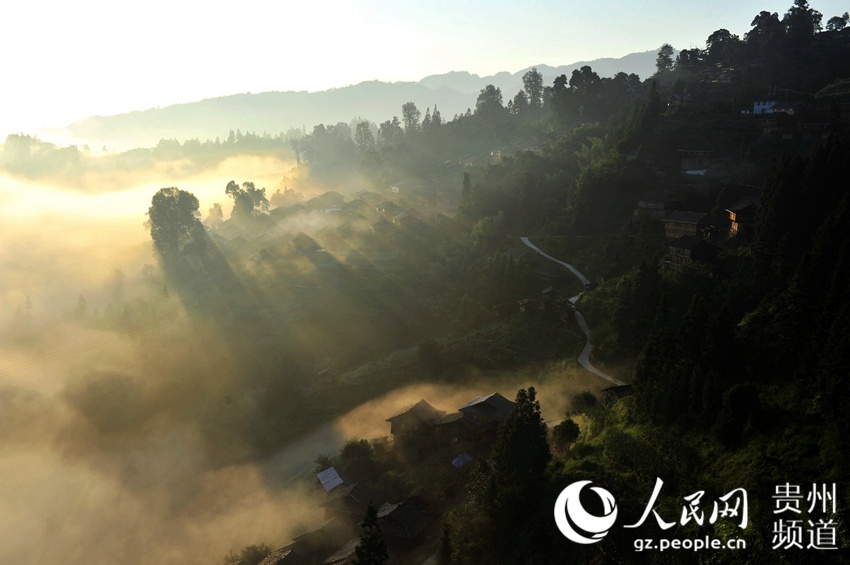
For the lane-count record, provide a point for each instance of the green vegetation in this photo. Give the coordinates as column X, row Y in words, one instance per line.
column 305, row 303
column 737, row 366
column 372, row 550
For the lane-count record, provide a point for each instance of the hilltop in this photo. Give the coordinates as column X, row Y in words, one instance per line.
column 275, row 112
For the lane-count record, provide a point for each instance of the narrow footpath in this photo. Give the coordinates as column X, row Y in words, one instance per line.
column 584, row 356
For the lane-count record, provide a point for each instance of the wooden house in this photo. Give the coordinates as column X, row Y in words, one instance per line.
column 303, row 243
column 680, row 223
column 687, row 250
column 345, row 555
column 457, row 426
column 742, row 216
column 488, row 410
column 331, row 200
column 656, row 205
column 349, row 502
column 322, row 541
column 403, row 520
column 416, row 420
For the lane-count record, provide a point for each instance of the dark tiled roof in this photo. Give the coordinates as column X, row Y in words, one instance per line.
column 283, row 556
column 344, row 553
column 685, row 217
column 403, row 520
column 352, row 499
column 493, row 405
column 457, row 417
column 421, row 410
column 743, row 203
column 331, row 533
column 284, row 212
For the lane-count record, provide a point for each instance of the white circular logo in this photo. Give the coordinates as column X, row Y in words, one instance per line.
column 576, row 523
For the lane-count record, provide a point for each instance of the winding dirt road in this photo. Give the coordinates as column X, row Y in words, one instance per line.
column 584, row 356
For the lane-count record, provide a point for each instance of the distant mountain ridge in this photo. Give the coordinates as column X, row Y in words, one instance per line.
column 276, row 112
column 271, row 112
column 641, row 64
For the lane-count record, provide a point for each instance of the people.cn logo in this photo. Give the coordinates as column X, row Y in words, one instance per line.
column 576, row 523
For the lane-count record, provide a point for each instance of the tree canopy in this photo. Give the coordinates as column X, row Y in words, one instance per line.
column 372, row 549
column 173, row 222
column 521, row 452
column 248, row 200
column 532, row 82
column 664, row 61
column 488, row 106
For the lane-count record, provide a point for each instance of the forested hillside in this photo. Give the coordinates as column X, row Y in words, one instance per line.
column 714, row 234
column 381, row 279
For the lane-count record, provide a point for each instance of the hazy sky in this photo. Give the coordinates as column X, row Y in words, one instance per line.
column 67, row 60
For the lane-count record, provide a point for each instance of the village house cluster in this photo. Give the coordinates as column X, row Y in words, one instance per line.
column 416, row 430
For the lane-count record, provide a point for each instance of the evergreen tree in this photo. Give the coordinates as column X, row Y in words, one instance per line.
column 372, row 550
column 363, row 137
column 664, row 61
column 655, row 375
column 532, row 82
column 466, row 204
column 519, row 105
column 436, row 118
column 801, row 21
column 410, row 116
column 521, row 453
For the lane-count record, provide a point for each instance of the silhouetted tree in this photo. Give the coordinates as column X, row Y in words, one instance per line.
column 466, row 203
column 372, row 549
column 519, row 105
column 565, row 434
column 389, row 132
column 837, row 23
column 488, row 106
column 248, row 200
column 532, row 82
column 173, row 223
column 766, row 33
column 801, row 21
column 584, row 79
column 214, row 216
column 363, row 138
column 664, row 61
column 583, row 402
column 721, row 46
column 410, row 116
column 436, row 118
column 521, row 452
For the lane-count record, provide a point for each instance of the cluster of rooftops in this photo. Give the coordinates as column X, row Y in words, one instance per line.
column 422, row 418
column 334, row 541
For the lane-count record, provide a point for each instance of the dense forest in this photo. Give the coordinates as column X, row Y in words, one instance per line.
column 737, row 354
column 707, row 204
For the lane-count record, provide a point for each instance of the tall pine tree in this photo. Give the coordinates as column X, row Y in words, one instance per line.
column 372, row 550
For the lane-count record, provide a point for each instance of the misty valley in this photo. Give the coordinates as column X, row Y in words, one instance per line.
column 399, row 338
